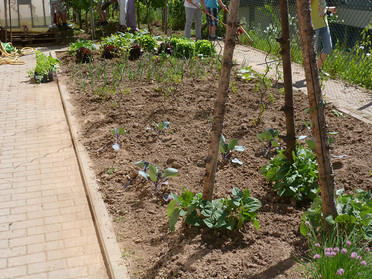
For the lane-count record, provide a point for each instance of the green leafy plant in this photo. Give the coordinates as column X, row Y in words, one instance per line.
column 354, row 214
column 84, row 55
column 337, row 255
column 117, row 132
column 227, row 149
column 161, row 126
column 224, row 213
column 148, row 43
column 182, row 47
column 157, row 177
column 79, row 44
column 204, row 48
column 270, row 139
column 45, row 66
column 297, row 180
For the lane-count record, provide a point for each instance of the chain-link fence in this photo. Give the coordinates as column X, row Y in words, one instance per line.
column 351, row 33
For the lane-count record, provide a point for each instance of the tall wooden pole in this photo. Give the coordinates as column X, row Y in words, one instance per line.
column 317, row 104
column 219, row 108
column 290, row 138
column 92, row 20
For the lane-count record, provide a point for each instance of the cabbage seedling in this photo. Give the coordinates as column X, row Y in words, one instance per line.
column 144, row 165
column 269, row 137
column 162, row 126
column 227, row 149
column 157, row 177
column 116, row 133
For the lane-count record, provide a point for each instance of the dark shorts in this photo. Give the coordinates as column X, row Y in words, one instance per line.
column 211, row 21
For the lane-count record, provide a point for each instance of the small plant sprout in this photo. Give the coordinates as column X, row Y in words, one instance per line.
column 269, row 138
column 162, row 126
column 117, row 132
column 144, row 165
column 157, row 177
column 227, row 149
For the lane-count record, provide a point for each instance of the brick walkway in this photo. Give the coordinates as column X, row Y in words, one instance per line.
column 46, row 228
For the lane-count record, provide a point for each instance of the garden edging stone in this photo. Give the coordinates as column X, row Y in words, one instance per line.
column 111, row 253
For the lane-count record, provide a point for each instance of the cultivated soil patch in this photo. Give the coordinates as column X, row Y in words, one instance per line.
column 139, row 215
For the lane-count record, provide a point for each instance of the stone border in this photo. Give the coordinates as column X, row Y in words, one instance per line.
column 114, row 263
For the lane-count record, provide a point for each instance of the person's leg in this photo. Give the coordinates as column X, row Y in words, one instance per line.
column 324, row 36
column 123, row 11
column 131, row 15
column 198, row 24
column 189, row 17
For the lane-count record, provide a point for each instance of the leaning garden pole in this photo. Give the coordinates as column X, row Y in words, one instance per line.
column 317, row 104
column 219, row 108
column 290, row 138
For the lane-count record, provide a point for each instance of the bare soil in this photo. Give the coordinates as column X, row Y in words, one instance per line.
column 139, row 216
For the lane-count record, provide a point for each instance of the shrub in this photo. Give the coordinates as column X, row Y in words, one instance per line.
column 224, row 213
column 297, row 180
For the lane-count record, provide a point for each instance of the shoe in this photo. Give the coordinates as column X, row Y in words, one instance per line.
column 321, row 72
column 123, row 29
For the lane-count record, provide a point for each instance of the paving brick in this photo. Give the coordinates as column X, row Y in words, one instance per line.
column 46, row 246
column 26, row 259
column 46, row 266
column 13, row 272
column 71, row 273
column 12, row 252
column 23, row 241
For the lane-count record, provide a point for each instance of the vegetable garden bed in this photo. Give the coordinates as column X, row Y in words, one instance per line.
column 134, row 96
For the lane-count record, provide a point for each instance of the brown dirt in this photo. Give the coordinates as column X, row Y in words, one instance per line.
column 139, row 214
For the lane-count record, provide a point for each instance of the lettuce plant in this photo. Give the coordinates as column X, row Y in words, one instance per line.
column 227, row 149
column 45, row 66
column 224, row 213
column 204, row 48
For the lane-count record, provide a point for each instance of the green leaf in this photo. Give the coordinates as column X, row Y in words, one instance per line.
column 170, row 172
column 237, row 192
column 239, row 148
column 236, row 161
column 256, row 224
column 173, row 219
column 209, row 222
column 303, row 229
column 153, row 171
column 142, row 173
column 171, row 207
column 252, row 204
column 232, row 144
column 329, row 220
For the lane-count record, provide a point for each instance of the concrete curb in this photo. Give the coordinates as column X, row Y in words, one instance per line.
column 114, row 263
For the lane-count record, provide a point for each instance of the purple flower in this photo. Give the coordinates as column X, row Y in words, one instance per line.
column 344, row 251
column 359, row 273
column 340, row 272
column 363, row 263
column 307, row 223
column 317, row 256
column 367, row 249
column 336, row 249
column 327, row 254
column 353, row 255
column 327, row 249
column 359, row 258
column 318, row 245
column 333, row 254
column 348, row 243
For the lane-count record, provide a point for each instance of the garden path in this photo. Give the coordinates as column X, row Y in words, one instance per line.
column 46, row 226
column 347, row 98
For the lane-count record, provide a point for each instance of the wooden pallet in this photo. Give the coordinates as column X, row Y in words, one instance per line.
column 23, row 38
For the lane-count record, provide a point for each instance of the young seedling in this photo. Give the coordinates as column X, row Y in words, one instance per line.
column 162, row 126
column 144, row 165
column 116, row 133
column 227, row 149
column 269, row 138
column 157, row 177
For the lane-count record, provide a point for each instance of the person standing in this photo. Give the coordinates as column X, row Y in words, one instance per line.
column 212, row 9
column 192, row 9
column 58, row 12
column 319, row 12
column 127, row 15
